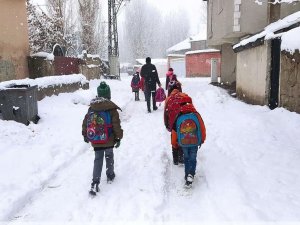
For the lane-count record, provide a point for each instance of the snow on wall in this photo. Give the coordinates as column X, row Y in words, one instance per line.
column 44, row 82
column 268, row 33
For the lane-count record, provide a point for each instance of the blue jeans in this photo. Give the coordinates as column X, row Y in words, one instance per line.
column 190, row 159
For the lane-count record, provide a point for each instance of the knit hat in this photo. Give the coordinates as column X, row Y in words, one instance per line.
column 148, row 60
column 170, row 69
column 103, row 90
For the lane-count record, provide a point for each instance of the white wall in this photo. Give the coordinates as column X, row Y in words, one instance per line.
column 252, row 75
column 178, row 66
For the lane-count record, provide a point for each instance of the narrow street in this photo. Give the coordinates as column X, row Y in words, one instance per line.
column 247, row 169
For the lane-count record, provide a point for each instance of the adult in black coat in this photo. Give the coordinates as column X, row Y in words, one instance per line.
column 149, row 72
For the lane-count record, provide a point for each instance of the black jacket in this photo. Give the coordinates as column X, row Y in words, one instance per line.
column 150, row 75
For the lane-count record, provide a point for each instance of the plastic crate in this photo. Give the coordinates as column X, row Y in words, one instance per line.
column 19, row 103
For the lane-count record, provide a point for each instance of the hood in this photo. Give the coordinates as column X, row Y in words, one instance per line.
column 100, row 103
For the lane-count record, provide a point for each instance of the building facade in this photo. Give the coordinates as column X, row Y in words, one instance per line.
column 230, row 20
column 14, row 44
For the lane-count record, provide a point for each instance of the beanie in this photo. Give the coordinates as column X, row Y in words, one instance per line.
column 170, row 69
column 103, row 90
column 148, row 60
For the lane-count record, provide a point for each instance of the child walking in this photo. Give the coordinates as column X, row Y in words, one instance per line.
column 102, row 128
column 188, row 129
column 135, row 85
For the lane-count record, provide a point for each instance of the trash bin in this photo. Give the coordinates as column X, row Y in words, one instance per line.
column 19, row 103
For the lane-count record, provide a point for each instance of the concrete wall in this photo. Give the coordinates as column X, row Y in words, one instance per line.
column 228, row 64
column 289, row 96
column 287, row 9
column 14, row 46
column 198, row 45
column 199, row 64
column 252, row 80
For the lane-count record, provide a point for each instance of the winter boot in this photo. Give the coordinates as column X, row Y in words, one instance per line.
column 175, row 155
column 110, row 178
column 189, row 181
column 94, row 187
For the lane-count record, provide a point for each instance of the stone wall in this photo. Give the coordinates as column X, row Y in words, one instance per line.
column 92, row 67
column 289, row 96
column 62, row 88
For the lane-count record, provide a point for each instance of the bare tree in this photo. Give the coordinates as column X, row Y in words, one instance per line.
column 88, row 13
column 147, row 33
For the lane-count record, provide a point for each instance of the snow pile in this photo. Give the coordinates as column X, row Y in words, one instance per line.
column 81, row 56
column 44, row 82
column 290, row 40
column 269, row 31
column 48, row 56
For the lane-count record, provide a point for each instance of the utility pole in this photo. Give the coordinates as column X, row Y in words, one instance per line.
column 113, row 44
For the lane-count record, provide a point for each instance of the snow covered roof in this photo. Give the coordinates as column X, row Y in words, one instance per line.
column 268, row 33
column 153, row 61
column 184, row 45
column 176, row 55
column 290, row 40
column 202, row 51
column 199, row 37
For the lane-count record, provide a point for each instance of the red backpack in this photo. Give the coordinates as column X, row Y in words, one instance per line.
column 179, row 103
column 160, row 95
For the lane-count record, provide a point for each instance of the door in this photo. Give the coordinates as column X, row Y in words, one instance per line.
column 274, row 76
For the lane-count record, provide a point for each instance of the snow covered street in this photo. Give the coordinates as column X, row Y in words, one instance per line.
column 248, row 168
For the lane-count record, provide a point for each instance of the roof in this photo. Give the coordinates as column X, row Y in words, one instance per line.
column 202, row 51
column 184, row 45
column 176, row 55
column 270, row 30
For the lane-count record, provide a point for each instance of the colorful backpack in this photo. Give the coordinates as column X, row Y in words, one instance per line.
column 99, row 126
column 188, row 130
column 179, row 103
column 160, row 95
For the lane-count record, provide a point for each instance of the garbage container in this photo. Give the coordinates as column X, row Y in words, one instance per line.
column 19, row 103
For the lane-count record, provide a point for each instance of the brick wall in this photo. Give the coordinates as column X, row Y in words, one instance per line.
column 198, row 64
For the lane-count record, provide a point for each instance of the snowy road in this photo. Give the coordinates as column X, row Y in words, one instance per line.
column 248, row 169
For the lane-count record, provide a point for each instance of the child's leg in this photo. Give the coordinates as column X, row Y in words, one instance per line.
column 109, row 157
column 180, row 155
column 193, row 160
column 98, row 163
column 175, row 155
column 186, row 161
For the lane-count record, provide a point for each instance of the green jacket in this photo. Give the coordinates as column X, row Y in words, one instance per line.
column 102, row 104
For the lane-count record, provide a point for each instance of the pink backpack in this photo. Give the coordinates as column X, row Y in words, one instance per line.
column 160, row 95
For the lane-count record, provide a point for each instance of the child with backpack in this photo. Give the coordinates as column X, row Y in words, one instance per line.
column 135, row 85
column 102, row 128
column 187, row 127
column 173, row 83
